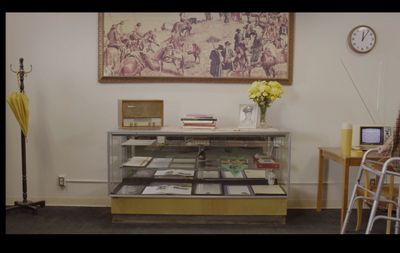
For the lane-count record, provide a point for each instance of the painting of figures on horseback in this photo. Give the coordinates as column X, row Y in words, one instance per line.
column 195, row 47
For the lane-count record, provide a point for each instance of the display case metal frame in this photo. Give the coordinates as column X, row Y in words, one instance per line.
column 128, row 207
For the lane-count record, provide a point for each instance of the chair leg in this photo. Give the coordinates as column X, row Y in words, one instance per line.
column 359, row 203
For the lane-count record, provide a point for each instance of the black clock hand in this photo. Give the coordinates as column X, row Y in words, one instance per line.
column 364, row 36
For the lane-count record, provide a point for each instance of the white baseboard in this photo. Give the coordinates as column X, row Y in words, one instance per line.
column 68, row 201
column 309, row 202
column 106, row 202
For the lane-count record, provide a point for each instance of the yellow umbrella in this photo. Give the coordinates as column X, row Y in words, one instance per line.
column 19, row 103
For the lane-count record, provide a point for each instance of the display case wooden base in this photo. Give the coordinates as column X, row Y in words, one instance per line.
column 243, row 210
column 198, row 219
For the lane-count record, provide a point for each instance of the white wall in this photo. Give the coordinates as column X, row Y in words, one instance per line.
column 71, row 112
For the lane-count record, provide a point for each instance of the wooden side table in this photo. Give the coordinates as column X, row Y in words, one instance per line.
column 346, row 162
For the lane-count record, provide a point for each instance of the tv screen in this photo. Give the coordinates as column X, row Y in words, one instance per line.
column 371, row 136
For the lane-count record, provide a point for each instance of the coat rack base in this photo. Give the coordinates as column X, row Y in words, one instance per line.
column 30, row 205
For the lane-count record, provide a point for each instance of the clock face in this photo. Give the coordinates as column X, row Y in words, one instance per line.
column 362, row 39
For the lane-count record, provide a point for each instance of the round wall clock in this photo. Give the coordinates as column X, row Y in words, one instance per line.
column 362, row 39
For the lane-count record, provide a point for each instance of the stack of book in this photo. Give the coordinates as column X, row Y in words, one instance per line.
column 203, row 121
column 262, row 161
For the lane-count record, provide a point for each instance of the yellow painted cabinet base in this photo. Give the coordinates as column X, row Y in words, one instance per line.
column 199, row 206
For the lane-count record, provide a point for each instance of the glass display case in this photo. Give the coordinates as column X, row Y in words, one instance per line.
column 221, row 172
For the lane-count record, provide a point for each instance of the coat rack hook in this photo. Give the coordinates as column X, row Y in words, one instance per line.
column 26, row 72
column 11, row 68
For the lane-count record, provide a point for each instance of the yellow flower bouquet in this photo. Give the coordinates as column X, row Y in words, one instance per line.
column 264, row 93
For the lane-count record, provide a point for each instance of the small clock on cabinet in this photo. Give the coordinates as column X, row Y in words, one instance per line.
column 362, row 39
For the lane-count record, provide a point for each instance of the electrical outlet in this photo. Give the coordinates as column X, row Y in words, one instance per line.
column 61, row 180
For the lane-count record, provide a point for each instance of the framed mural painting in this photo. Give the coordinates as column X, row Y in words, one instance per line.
column 230, row 47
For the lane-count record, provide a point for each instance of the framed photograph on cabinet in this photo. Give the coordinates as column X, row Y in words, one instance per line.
column 248, row 116
column 229, row 47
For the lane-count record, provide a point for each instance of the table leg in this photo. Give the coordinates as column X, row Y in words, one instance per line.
column 345, row 191
column 320, row 180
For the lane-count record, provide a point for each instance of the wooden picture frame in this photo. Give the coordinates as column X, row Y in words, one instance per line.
column 238, row 47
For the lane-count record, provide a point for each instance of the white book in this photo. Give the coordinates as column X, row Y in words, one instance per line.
column 158, row 163
column 168, row 189
column 255, row 173
column 138, row 161
column 228, row 174
column 268, row 190
column 193, row 121
column 212, row 189
column 238, row 190
column 136, row 142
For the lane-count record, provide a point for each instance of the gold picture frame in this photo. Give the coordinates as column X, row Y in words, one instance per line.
column 195, row 47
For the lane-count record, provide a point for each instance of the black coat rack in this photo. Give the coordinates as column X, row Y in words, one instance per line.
column 25, row 203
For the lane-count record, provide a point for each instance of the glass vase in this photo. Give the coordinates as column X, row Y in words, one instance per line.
column 262, row 118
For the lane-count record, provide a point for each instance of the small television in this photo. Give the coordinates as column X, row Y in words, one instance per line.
column 370, row 136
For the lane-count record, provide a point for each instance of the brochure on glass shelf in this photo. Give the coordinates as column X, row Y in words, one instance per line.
column 137, row 161
column 138, row 142
column 234, row 164
column 173, row 189
column 268, row 190
column 175, row 172
column 147, row 173
column 229, row 174
column 208, row 189
column 255, row 173
column 237, row 190
column 131, row 189
column 208, row 174
column 159, row 163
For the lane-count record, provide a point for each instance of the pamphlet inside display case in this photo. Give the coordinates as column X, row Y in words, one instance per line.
column 246, row 170
column 137, row 161
column 237, row 190
column 207, row 174
column 160, row 163
column 255, row 173
column 172, row 189
column 208, row 189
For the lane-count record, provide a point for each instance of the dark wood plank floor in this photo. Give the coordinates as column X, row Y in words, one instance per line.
column 97, row 220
